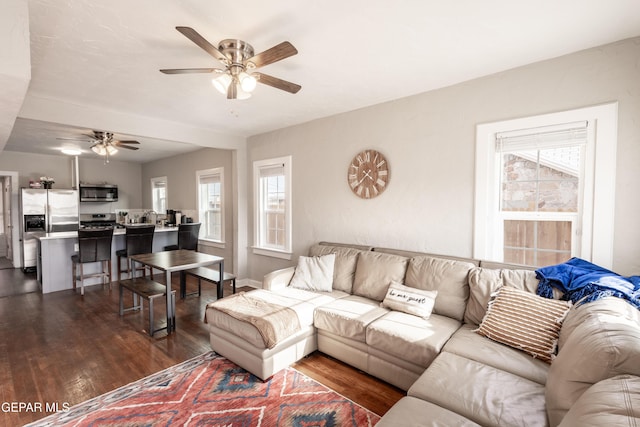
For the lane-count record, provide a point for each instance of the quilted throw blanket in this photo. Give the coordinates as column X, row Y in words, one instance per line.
column 582, row 282
column 273, row 322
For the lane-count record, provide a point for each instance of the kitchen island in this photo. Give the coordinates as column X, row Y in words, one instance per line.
column 55, row 250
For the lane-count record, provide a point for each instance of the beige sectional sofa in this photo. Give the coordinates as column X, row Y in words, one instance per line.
column 452, row 374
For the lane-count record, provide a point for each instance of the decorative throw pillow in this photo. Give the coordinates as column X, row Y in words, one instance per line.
column 314, row 273
column 409, row 300
column 525, row 321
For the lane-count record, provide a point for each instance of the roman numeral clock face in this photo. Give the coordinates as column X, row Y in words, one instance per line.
column 368, row 174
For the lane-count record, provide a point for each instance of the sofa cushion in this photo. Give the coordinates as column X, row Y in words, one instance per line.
column 411, row 411
column 248, row 332
column 409, row 300
column 611, row 402
column 467, row 343
column 345, row 264
column 311, row 297
column 484, row 282
column 481, row 393
column 348, row 317
column 579, row 313
column 374, row 273
column 602, row 346
column 448, row 277
column 525, row 321
column 314, row 273
column 410, row 337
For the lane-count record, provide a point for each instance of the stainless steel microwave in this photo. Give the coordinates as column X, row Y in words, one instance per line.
column 98, row 193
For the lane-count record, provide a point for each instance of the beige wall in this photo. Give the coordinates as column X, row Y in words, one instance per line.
column 181, row 195
column 429, row 140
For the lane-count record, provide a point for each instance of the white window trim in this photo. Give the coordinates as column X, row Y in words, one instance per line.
column 205, row 172
column 597, row 229
column 166, row 183
column 287, row 252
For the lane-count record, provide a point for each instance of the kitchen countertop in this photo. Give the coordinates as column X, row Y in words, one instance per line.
column 116, row 232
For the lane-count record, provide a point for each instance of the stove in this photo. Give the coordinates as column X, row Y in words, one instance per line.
column 98, row 220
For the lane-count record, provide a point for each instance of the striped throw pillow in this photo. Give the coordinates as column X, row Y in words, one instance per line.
column 524, row 321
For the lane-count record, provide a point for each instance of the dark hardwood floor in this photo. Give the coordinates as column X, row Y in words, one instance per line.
column 66, row 348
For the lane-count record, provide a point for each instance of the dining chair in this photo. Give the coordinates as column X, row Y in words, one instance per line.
column 187, row 237
column 138, row 240
column 94, row 245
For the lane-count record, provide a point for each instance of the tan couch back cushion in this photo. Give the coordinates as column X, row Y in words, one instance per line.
column 448, row 277
column 345, row 265
column 485, row 281
column 612, row 402
column 374, row 273
column 601, row 346
column 579, row 313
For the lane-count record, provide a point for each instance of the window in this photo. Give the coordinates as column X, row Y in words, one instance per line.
column 210, row 204
column 541, row 176
column 537, row 198
column 159, row 194
column 272, row 189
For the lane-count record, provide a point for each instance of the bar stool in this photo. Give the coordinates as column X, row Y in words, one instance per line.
column 94, row 245
column 187, row 237
column 138, row 240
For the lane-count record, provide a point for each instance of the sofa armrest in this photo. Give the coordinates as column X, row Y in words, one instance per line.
column 278, row 279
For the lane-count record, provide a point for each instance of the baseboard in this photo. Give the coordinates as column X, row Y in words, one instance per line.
column 249, row 282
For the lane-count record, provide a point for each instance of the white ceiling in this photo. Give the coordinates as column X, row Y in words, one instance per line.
column 105, row 55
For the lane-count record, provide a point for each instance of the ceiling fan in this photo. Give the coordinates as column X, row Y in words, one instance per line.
column 237, row 80
column 104, row 144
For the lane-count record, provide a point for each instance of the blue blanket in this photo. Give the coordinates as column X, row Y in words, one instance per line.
column 582, row 281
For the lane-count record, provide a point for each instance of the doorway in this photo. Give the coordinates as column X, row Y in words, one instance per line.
column 9, row 216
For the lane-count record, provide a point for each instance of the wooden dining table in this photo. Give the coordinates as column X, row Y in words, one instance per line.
column 178, row 260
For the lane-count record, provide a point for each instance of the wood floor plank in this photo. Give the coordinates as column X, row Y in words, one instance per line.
column 66, row 348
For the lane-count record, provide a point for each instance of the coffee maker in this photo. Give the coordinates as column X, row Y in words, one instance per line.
column 171, row 217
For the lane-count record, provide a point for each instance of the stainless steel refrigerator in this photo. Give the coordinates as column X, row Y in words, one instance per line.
column 45, row 211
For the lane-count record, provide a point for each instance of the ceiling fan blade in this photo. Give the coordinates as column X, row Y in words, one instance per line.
column 193, row 35
column 128, row 147
column 276, row 53
column 188, row 70
column 125, row 142
column 77, row 139
column 277, row 83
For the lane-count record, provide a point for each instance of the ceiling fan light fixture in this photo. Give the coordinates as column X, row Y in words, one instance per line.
column 241, row 94
column 99, row 149
column 247, row 82
column 103, row 149
column 222, row 82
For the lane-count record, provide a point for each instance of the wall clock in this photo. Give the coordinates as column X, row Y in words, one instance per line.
column 368, row 174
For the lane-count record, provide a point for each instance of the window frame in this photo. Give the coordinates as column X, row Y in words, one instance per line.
column 598, row 196
column 259, row 247
column 219, row 173
column 153, row 181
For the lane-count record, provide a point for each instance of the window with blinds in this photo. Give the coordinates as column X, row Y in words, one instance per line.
column 541, row 176
column 159, row 194
column 545, row 187
column 210, row 204
column 273, row 204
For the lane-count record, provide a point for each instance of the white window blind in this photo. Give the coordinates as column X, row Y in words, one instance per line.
column 541, row 138
column 271, row 170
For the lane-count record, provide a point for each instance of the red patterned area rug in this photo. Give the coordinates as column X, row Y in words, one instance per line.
column 209, row 390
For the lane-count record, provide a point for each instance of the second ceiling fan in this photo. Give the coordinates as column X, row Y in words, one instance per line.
column 237, row 80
